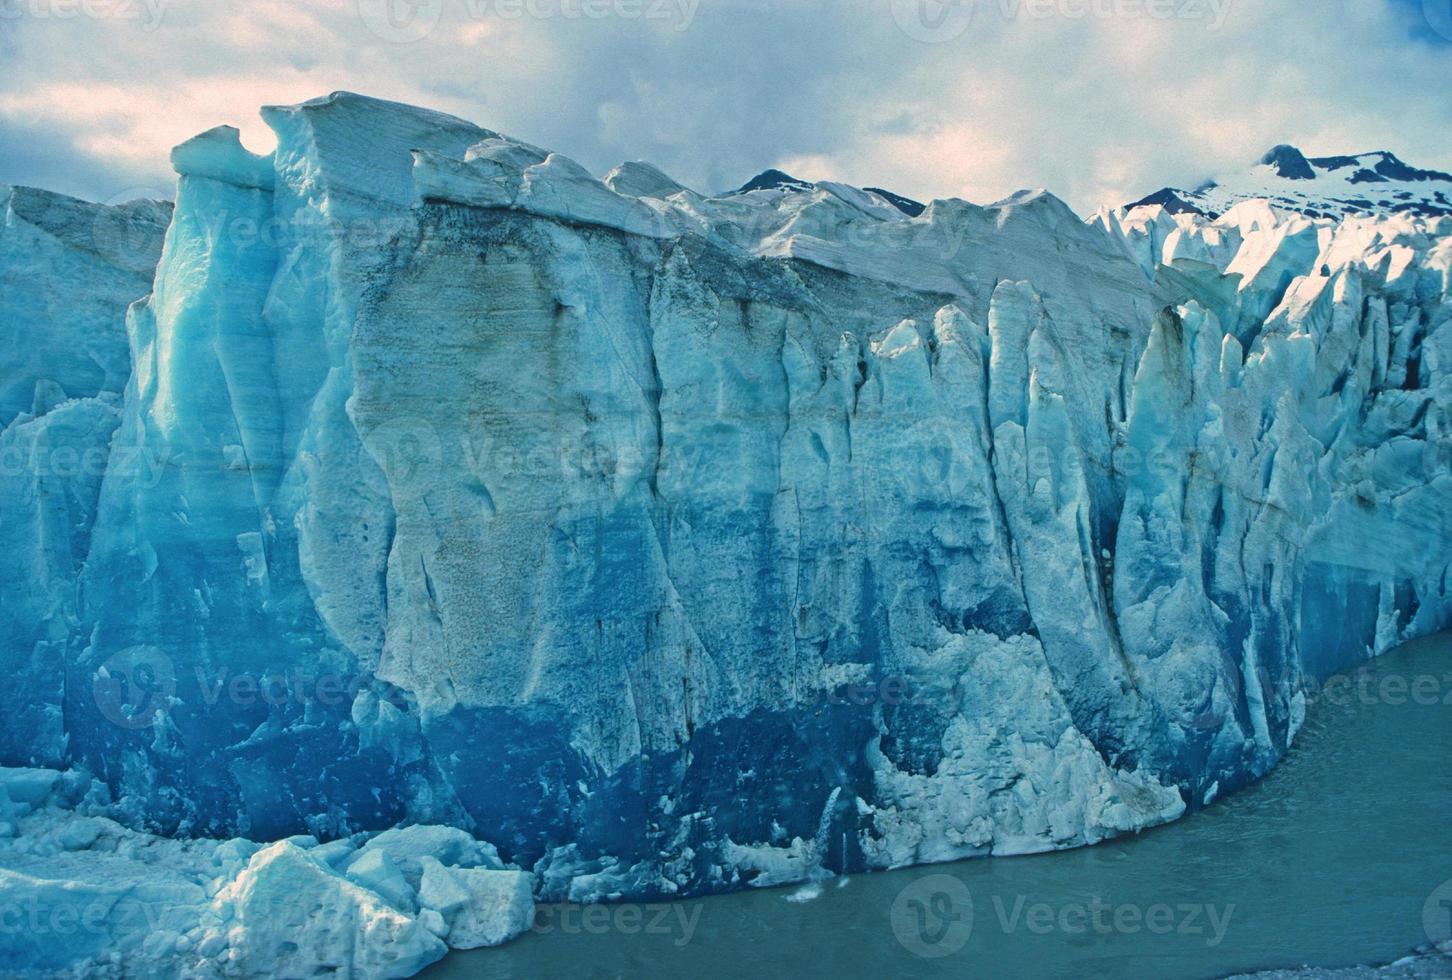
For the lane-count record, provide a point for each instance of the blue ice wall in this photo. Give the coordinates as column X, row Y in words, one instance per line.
column 672, row 543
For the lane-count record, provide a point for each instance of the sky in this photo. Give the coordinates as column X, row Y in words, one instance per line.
column 1100, row 101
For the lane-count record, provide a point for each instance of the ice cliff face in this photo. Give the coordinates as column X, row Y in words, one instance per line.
column 68, row 270
column 672, row 543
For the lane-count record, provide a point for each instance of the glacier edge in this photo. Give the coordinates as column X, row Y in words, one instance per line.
column 673, row 543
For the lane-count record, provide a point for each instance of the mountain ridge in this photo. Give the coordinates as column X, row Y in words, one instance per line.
column 1379, row 183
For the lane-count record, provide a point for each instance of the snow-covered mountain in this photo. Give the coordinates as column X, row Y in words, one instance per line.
column 1335, row 187
column 669, row 543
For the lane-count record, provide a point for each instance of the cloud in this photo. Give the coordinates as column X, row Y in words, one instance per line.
column 1098, row 100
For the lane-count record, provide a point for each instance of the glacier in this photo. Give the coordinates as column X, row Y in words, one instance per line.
column 68, row 271
column 653, row 543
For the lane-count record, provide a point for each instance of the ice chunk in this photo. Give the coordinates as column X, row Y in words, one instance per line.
column 406, row 847
column 285, row 915
column 482, row 907
column 218, row 154
column 375, row 870
column 68, row 271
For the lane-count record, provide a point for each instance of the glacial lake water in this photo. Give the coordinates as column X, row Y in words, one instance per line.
column 1341, row 856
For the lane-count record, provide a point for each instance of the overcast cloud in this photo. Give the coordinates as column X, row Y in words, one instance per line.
column 1098, row 100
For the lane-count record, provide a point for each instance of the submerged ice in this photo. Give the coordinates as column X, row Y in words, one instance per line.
column 673, row 543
